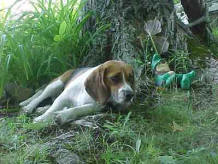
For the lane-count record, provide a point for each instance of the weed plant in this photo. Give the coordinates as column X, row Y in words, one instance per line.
column 215, row 32
column 180, row 60
column 43, row 43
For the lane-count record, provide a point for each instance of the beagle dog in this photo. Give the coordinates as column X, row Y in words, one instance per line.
column 78, row 93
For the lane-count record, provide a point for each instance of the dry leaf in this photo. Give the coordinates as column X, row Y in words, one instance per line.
column 153, row 27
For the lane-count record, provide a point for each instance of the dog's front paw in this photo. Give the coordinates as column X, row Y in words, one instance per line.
column 43, row 119
column 23, row 103
column 38, row 119
column 27, row 109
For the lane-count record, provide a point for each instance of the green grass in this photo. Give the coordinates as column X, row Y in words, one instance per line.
column 213, row 47
column 215, row 32
column 173, row 132
column 43, row 43
column 176, row 1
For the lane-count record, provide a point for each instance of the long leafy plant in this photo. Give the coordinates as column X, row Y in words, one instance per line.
column 40, row 44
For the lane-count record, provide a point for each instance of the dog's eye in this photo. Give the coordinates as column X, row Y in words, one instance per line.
column 115, row 79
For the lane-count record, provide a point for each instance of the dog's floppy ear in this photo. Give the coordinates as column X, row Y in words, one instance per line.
column 96, row 87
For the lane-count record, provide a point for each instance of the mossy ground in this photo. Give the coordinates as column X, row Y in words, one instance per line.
column 173, row 132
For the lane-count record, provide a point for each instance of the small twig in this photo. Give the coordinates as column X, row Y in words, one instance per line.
column 198, row 21
column 152, row 41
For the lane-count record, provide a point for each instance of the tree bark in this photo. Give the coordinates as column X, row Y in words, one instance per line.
column 126, row 38
column 197, row 16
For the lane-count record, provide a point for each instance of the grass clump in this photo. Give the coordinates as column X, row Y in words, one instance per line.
column 215, row 32
column 41, row 44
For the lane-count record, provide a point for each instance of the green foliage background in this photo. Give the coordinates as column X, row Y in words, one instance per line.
column 43, row 43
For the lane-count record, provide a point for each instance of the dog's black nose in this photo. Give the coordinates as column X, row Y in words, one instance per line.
column 128, row 94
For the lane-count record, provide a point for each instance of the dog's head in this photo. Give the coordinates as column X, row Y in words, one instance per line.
column 112, row 81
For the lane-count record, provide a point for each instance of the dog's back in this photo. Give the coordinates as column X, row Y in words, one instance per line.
column 71, row 75
column 66, row 77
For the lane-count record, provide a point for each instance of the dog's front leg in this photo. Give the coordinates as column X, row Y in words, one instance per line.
column 60, row 103
column 51, row 90
column 71, row 114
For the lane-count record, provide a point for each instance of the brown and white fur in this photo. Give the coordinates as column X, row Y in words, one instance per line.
column 85, row 92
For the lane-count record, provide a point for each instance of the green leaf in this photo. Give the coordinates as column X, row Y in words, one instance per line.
column 138, row 144
column 62, row 28
column 57, row 38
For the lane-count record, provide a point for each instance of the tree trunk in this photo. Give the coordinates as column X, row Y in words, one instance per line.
column 126, row 38
column 195, row 9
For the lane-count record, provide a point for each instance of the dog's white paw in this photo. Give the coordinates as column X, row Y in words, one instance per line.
column 38, row 119
column 43, row 118
column 28, row 109
column 22, row 104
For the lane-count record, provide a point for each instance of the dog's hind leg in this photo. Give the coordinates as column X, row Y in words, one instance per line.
column 51, row 90
column 60, row 103
column 71, row 114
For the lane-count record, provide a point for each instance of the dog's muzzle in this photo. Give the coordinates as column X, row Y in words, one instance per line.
column 128, row 94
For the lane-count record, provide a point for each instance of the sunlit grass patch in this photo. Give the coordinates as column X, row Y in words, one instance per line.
column 44, row 43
